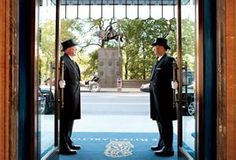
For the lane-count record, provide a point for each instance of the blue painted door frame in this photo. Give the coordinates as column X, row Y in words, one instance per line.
column 209, row 76
column 26, row 145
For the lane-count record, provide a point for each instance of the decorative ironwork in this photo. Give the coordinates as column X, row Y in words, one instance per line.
column 154, row 8
column 121, row 2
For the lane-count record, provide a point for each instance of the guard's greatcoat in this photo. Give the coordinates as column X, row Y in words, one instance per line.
column 161, row 93
column 72, row 108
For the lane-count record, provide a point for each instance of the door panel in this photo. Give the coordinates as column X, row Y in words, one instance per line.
column 47, row 112
column 187, row 62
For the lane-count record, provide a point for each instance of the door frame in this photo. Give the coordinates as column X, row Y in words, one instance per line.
column 199, row 61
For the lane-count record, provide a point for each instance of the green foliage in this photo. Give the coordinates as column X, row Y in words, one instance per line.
column 136, row 49
column 188, row 42
column 46, row 49
column 138, row 56
column 69, row 28
column 92, row 64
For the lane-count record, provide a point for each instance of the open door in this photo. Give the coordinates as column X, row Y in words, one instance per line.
column 186, row 76
column 48, row 92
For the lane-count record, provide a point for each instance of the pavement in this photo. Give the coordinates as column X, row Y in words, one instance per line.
column 126, row 90
column 128, row 123
column 115, row 123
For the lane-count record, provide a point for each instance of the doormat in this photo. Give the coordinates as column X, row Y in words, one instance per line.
column 119, row 146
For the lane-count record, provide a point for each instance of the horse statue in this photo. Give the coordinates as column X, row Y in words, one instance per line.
column 109, row 33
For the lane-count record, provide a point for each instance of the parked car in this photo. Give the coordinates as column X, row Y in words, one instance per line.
column 93, row 84
column 46, row 99
column 187, row 97
column 145, row 87
column 189, row 79
column 41, row 102
column 188, row 100
column 186, row 81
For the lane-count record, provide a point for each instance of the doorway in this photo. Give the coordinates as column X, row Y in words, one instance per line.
column 48, row 76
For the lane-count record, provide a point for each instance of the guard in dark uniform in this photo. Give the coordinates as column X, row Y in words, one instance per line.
column 161, row 98
column 71, row 108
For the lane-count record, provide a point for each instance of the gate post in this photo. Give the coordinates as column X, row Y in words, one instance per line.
column 119, row 84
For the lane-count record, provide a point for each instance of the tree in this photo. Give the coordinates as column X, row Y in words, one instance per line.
column 92, row 64
column 188, row 42
column 69, row 28
column 136, row 48
column 137, row 51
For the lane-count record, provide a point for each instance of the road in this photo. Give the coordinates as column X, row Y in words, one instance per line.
column 115, row 112
column 115, row 103
column 122, row 112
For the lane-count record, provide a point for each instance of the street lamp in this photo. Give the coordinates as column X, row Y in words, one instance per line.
column 119, row 76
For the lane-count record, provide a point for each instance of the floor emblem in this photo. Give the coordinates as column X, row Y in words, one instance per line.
column 116, row 149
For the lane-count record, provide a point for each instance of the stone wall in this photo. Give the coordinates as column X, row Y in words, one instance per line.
column 133, row 83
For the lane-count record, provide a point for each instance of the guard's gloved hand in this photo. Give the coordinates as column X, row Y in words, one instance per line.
column 62, row 83
column 174, row 84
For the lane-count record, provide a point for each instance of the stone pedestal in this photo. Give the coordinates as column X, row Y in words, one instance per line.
column 109, row 67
